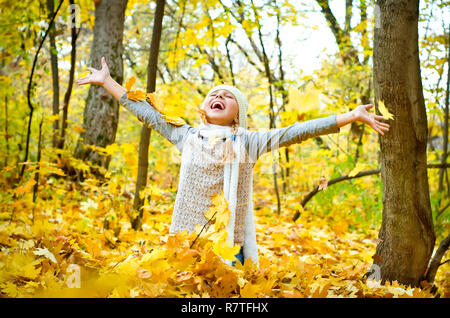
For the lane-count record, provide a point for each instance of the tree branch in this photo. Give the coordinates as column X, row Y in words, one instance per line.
column 310, row 195
column 436, row 260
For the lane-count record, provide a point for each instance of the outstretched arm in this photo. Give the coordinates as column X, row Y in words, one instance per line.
column 141, row 109
column 103, row 78
column 258, row 143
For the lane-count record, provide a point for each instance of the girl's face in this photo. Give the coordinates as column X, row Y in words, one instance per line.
column 221, row 108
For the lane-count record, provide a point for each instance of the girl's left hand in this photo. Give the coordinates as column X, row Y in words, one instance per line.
column 364, row 116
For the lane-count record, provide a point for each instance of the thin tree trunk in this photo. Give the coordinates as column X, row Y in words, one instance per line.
column 272, row 123
column 101, row 113
column 7, row 136
column 445, row 137
column 280, row 86
column 407, row 233
column 36, row 175
column 55, row 75
column 145, row 132
column 29, row 89
column 230, row 62
column 73, row 55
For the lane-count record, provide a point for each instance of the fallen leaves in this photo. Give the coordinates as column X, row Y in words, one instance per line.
column 89, row 229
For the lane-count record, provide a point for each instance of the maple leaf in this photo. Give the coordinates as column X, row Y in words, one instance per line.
column 221, row 207
column 250, row 290
column 137, row 95
column 130, row 83
column 384, row 111
column 154, row 101
column 45, row 252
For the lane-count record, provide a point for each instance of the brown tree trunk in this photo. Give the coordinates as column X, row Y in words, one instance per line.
column 407, row 234
column 145, row 132
column 55, row 75
column 446, row 114
column 101, row 113
column 73, row 55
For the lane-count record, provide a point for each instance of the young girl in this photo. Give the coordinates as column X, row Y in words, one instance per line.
column 220, row 154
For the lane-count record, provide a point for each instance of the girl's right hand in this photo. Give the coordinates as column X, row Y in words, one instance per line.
column 97, row 77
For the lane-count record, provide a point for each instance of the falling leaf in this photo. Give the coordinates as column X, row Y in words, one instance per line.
column 357, row 169
column 384, row 111
column 323, row 183
column 130, row 83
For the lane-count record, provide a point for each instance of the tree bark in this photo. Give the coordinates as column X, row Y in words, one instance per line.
column 101, row 113
column 73, row 55
column 407, row 233
column 446, row 114
column 145, row 132
column 55, row 75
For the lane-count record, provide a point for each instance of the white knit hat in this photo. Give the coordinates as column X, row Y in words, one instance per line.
column 242, row 102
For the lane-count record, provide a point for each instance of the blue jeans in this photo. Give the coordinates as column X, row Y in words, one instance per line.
column 239, row 256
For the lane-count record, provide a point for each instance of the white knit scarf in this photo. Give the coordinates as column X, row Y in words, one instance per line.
column 230, row 185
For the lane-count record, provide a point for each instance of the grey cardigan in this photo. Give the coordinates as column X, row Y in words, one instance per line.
column 256, row 142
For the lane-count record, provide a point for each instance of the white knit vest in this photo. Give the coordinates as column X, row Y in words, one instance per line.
column 202, row 173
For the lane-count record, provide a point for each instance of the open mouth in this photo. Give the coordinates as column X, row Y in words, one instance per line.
column 218, row 105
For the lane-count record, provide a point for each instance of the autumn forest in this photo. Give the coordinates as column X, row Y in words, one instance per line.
column 356, row 205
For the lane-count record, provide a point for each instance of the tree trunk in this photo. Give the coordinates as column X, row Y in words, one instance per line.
column 102, row 110
column 446, row 114
column 145, row 132
column 407, row 234
column 55, row 75
column 73, row 56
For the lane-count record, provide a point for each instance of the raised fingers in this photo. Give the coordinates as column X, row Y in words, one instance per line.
column 83, row 80
column 377, row 129
column 380, row 117
column 382, row 124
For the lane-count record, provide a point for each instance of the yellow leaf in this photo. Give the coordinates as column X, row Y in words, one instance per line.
column 154, row 101
column 209, row 215
column 250, row 291
column 357, row 169
column 384, row 111
column 9, row 289
column 223, row 249
column 30, row 271
column 221, row 206
column 78, row 129
column 176, row 121
column 137, row 95
column 26, row 187
column 130, row 83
